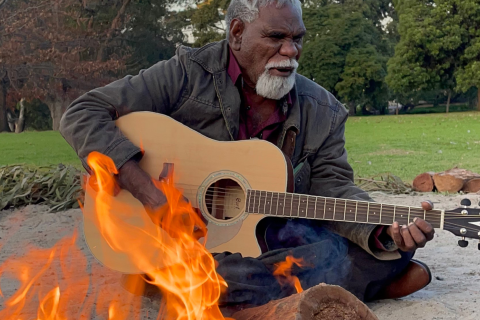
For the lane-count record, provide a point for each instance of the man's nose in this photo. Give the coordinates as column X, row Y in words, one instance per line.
column 289, row 49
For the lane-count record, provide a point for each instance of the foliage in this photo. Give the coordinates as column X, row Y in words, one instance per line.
column 346, row 49
column 56, row 186
column 207, row 21
column 438, row 49
column 57, row 50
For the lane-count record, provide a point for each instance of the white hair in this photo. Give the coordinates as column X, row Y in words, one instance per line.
column 275, row 87
column 247, row 10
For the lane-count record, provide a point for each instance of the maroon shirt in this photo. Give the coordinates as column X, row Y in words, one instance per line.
column 268, row 129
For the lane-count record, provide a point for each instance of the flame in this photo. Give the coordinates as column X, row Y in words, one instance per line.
column 58, row 278
column 283, row 272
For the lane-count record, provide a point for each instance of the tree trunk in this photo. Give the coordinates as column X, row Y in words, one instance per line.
column 57, row 106
column 3, row 106
column 448, row 101
column 320, row 302
column 396, row 110
column 19, row 126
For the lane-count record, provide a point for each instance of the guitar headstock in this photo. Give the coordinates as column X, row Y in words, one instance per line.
column 463, row 222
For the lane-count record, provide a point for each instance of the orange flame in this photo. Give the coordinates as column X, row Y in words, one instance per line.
column 58, row 278
column 283, row 272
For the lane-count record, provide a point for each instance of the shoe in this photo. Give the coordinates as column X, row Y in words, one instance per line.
column 415, row 277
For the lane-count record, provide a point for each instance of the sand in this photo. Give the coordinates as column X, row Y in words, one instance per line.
column 452, row 294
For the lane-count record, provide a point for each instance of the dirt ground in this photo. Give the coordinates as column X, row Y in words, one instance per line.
column 452, row 294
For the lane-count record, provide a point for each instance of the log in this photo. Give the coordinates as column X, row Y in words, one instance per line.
column 323, row 302
column 453, row 180
column 447, row 183
column 472, row 186
column 423, row 182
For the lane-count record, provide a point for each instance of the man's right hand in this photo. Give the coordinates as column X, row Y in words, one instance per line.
column 139, row 183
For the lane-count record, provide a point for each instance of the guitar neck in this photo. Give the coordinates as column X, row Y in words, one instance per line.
column 292, row 205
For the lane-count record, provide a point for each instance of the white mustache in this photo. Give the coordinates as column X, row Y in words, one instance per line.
column 292, row 63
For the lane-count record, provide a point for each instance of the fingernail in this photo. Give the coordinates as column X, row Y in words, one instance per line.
column 404, row 227
column 410, row 224
column 415, row 220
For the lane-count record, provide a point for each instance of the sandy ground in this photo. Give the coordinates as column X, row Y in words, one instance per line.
column 452, row 294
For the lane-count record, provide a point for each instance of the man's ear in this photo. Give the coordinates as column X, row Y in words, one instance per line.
column 237, row 27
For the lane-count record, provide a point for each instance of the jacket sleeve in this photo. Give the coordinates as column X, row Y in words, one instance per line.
column 89, row 122
column 332, row 176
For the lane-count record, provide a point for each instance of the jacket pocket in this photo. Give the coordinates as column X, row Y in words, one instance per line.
column 302, row 177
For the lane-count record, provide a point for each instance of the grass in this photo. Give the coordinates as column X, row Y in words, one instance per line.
column 404, row 145
column 408, row 145
column 36, row 148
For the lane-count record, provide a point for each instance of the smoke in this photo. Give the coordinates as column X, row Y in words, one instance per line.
column 325, row 251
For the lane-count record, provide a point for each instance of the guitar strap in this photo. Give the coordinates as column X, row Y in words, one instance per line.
column 289, row 143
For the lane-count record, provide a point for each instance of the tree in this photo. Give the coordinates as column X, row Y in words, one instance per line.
column 346, row 49
column 57, row 50
column 438, row 49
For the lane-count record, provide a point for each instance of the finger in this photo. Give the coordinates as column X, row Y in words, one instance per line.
column 425, row 227
column 417, row 235
column 410, row 244
column 427, row 205
column 396, row 236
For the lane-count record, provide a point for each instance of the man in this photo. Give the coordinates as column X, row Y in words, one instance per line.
column 246, row 87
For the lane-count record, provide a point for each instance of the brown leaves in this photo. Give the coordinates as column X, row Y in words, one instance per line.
column 45, row 42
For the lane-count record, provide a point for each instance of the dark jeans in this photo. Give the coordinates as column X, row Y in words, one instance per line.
column 331, row 259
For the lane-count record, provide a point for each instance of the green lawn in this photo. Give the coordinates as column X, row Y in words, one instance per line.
column 403, row 145
column 407, row 145
column 36, row 148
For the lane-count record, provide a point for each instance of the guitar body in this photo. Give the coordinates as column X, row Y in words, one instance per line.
column 200, row 166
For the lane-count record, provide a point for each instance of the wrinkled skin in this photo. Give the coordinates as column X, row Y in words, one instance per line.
column 276, row 35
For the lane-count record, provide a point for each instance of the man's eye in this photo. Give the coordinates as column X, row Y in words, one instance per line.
column 277, row 36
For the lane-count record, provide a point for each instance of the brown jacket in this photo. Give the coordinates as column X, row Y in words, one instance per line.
column 194, row 88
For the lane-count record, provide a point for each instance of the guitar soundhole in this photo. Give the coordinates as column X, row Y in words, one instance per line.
column 225, row 199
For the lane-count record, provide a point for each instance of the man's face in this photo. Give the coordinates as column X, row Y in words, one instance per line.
column 268, row 49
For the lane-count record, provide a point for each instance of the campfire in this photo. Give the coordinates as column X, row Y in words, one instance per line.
column 60, row 284
column 185, row 273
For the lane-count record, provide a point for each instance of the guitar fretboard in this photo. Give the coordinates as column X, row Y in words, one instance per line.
column 294, row 205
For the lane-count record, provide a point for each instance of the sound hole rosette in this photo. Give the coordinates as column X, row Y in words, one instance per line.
column 202, row 195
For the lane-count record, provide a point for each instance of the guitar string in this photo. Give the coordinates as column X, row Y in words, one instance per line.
column 349, row 203
column 385, row 211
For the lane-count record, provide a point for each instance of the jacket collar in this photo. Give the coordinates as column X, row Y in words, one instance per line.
column 213, row 57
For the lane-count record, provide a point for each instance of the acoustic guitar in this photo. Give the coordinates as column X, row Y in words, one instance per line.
column 238, row 185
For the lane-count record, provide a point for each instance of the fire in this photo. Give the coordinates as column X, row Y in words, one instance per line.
column 58, row 278
column 283, row 272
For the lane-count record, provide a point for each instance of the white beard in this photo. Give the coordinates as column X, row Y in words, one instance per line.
column 276, row 87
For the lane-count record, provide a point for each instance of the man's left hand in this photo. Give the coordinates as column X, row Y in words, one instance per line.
column 413, row 236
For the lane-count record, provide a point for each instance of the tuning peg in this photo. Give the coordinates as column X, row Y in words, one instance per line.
column 463, row 243
column 466, row 202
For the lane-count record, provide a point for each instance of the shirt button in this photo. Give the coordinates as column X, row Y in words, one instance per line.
column 248, row 107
